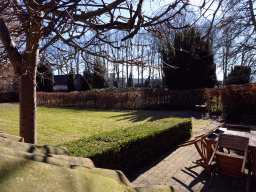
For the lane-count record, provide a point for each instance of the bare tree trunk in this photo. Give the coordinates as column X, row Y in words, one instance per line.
column 224, row 68
column 142, row 59
column 127, row 74
column 117, row 70
column 77, row 63
column 138, row 76
column 27, row 98
column 138, row 46
column 25, row 66
column 149, row 68
column 122, row 68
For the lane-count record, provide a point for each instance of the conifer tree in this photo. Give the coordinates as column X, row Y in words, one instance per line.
column 130, row 81
column 71, row 81
column 87, row 80
column 239, row 75
column 188, row 61
column 45, row 77
column 99, row 79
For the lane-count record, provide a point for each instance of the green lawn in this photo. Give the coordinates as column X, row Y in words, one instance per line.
column 62, row 125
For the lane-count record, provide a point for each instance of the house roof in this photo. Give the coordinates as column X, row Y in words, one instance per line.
column 63, row 79
column 60, row 79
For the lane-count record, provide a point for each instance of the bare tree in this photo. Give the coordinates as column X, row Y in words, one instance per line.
column 235, row 30
column 28, row 27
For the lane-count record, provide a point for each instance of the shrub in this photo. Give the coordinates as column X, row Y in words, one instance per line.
column 116, row 84
column 239, row 75
column 98, row 78
column 9, row 97
column 71, row 81
column 130, row 147
column 238, row 100
column 45, row 77
column 130, row 81
column 147, row 99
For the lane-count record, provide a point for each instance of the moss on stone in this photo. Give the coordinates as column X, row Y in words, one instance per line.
column 26, row 167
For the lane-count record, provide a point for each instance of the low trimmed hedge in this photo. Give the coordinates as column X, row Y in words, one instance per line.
column 131, row 147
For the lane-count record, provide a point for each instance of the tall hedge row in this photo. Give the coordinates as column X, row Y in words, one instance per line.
column 235, row 101
column 238, row 101
column 148, row 99
column 9, row 97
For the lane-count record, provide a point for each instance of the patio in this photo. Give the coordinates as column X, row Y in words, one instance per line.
column 170, row 169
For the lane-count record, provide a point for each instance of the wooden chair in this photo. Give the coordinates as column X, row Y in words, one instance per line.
column 232, row 163
column 201, row 147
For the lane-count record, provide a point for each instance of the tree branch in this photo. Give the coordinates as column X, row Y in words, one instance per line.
column 13, row 54
column 252, row 14
column 84, row 16
column 21, row 14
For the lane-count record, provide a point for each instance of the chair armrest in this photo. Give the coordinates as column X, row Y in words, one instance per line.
column 245, row 157
column 189, row 142
column 213, row 154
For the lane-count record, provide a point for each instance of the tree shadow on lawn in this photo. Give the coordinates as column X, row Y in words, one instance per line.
column 153, row 115
column 142, row 115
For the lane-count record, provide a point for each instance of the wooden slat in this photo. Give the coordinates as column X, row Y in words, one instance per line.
column 229, row 155
column 233, row 142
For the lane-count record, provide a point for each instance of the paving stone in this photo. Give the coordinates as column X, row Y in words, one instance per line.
column 171, row 169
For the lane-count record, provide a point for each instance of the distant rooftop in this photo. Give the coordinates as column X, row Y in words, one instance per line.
column 60, row 79
column 63, row 79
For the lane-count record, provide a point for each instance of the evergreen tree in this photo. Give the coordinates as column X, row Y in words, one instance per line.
column 71, row 81
column 146, row 83
column 188, row 61
column 99, row 80
column 87, row 80
column 115, row 83
column 15, row 86
column 167, row 52
column 130, row 81
column 239, row 75
column 45, row 77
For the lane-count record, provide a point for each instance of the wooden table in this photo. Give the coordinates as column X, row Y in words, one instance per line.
column 212, row 140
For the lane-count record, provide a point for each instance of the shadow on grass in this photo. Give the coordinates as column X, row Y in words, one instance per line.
column 153, row 115
column 9, row 168
column 142, row 115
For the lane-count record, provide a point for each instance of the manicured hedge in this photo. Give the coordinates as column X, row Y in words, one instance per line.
column 9, row 97
column 129, row 148
column 237, row 101
column 146, row 99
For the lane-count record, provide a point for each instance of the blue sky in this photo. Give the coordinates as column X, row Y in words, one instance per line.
column 151, row 6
